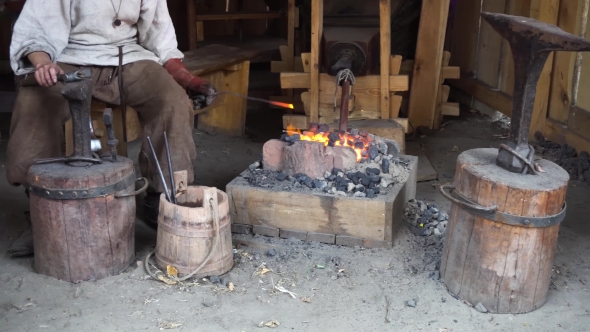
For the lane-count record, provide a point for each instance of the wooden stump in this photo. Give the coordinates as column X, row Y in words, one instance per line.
column 505, row 267
column 186, row 233
column 81, row 238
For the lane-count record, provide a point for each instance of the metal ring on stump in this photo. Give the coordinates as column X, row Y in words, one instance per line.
column 186, row 233
column 502, row 234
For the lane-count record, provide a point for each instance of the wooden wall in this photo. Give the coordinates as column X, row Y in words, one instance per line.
column 488, row 75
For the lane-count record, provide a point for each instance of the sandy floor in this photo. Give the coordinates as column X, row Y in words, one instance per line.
column 353, row 289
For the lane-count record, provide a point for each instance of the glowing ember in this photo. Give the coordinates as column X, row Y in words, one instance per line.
column 358, row 142
column 279, row 104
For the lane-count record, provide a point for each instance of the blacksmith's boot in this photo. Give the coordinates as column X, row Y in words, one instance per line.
column 23, row 245
column 151, row 207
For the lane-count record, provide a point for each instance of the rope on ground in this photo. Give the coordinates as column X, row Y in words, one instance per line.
column 343, row 75
column 213, row 248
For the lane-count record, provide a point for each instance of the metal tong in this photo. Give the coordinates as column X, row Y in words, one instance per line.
column 170, row 196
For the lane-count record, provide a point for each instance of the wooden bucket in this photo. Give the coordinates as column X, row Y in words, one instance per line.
column 502, row 234
column 187, row 233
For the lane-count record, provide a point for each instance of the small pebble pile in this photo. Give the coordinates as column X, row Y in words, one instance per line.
column 368, row 179
column 426, row 219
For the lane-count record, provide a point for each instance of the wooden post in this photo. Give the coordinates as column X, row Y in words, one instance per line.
column 561, row 85
column 427, row 66
column 317, row 22
column 385, row 44
column 505, row 267
column 191, row 11
column 545, row 11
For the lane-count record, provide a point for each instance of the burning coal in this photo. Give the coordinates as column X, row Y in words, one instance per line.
column 359, row 141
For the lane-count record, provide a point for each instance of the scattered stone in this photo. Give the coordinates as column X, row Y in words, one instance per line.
column 271, row 253
column 373, row 171
column 373, row 152
column 340, row 193
column 334, row 277
column 370, row 193
column 257, row 257
column 434, row 275
column 480, row 308
column 254, row 166
column 214, row 279
column 354, row 131
column 359, row 187
column 359, row 194
column 382, row 147
column 411, row 303
column 223, row 282
column 327, row 174
column 385, row 165
column 385, row 182
column 281, row 176
column 375, row 179
column 207, row 304
column 351, row 187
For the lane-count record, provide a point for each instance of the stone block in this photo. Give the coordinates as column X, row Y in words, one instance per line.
column 265, row 230
column 321, row 237
column 287, row 233
column 272, row 155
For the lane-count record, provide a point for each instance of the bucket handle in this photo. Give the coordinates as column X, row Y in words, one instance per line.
column 464, row 202
column 137, row 192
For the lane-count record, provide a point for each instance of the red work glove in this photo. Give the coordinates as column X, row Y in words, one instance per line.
column 182, row 76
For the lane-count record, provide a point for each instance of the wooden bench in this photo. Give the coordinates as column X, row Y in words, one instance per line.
column 227, row 68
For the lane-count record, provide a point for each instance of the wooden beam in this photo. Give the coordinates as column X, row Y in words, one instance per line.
column 239, row 16
column 395, row 64
column 306, row 62
column 191, row 11
column 395, row 102
column 494, row 98
column 385, row 46
column 559, row 133
column 440, row 97
column 317, row 23
column 283, row 66
column 544, row 11
column 451, row 73
column 326, row 82
column 427, row 66
column 450, row 109
column 296, row 120
column 563, row 65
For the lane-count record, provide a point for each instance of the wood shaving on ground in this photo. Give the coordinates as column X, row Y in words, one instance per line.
column 168, row 326
column 283, row 290
column 272, row 323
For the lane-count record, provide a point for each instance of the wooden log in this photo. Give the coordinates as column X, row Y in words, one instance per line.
column 505, row 267
column 186, row 233
column 82, row 239
column 327, row 82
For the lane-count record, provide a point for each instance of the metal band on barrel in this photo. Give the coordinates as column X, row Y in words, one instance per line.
column 53, row 193
column 505, row 218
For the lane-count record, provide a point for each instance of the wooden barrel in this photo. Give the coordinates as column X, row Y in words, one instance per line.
column 499, row 250
column 186, row 233
column 81, row 230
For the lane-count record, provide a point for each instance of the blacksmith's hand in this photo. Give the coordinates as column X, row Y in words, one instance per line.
column 182, row 76
column 46, row 71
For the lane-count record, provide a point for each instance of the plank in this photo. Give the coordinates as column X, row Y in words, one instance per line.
column 425, row 170
column 427, row 67
column 283, row 66
column 327, row 82
column 395, row 105
column 385, row 52
column 395, row 64
column 557, row 132
column 215, row 57
column 229, row 117
column 239, row 16
column 579, row 122
column 395, row 102
column 450, row 109
column 440, row 98
column 317, row 22
column 544, row 11
column 560, row 98
column 451, row 72
column 464, row 36
column 296, row 120
column 494, row 98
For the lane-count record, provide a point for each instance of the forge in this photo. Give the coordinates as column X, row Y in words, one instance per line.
column 331, row 186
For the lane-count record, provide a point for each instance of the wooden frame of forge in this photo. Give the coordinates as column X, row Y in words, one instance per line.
column 319, row 217
column 381, row 87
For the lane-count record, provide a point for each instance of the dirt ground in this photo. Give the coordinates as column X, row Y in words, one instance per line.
column 337, row 288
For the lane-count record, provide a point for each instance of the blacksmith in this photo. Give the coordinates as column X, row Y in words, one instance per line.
column 131, row 48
